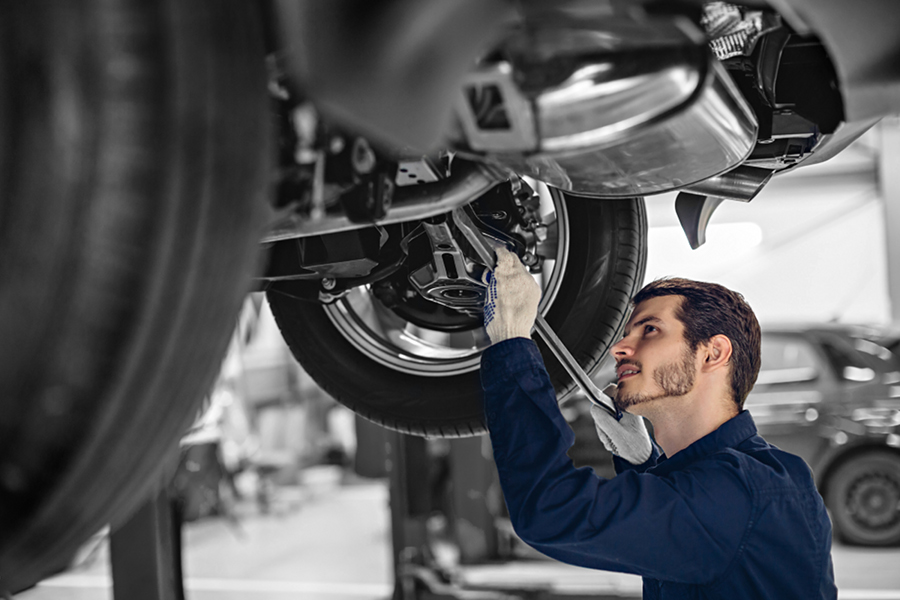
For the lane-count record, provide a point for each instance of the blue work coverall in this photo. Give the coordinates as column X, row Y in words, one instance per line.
column 729, row 517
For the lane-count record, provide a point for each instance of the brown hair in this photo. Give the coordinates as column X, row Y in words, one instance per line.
column 709, row 309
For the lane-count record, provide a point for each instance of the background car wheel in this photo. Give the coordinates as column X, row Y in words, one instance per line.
column 864, row 498
column 426, row 382
column 133, row 168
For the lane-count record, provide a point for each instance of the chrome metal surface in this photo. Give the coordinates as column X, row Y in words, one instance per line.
column 385, row 337
column 450, row 278
column 708, row 135
column 600, row 97
column 741, row 183
column 606, row 105
column 602, row 101
column 466, row 182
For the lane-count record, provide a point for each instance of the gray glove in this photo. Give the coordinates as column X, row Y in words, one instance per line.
column 512, row 299
column 626, row 438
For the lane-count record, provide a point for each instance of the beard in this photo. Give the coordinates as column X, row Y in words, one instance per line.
column 674, row 379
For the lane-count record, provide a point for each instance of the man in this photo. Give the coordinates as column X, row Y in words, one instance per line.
column 716, row 512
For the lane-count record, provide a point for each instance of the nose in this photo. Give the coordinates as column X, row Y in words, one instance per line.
column 621, row 349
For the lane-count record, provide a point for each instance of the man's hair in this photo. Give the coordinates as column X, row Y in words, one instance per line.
column 709, row 309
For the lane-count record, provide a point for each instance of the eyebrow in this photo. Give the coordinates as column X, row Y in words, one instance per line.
column 645, row 320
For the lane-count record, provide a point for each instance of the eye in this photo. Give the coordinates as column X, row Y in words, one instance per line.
column 649, row 329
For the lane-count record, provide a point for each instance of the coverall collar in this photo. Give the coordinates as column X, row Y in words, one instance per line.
column 729, row 435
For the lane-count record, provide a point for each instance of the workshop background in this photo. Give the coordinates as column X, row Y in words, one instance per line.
column 286, row 494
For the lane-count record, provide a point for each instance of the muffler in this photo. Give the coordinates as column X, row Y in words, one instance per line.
column 581, row 107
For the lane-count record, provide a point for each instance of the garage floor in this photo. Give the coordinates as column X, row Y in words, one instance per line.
column 331, row 540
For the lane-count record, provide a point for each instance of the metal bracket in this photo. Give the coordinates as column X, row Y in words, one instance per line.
column 694, row 212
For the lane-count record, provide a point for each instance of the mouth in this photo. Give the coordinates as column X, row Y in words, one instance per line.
column 625, row 372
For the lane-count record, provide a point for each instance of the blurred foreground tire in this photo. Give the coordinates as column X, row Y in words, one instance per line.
column 133, row 160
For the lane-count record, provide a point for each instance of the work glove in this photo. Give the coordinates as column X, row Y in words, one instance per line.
column 510, row 306
column 625, row 436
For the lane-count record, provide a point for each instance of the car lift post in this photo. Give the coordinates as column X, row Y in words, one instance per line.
column 418, row 576
column 407, row 466
column 145, row 552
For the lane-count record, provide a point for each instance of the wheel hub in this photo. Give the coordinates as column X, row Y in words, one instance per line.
column 451, row 278
column 875, row 501
column 433, row 327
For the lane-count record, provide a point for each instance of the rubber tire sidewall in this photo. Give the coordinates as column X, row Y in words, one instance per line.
column 837, row 489
column 133, row 176
column 606, row 261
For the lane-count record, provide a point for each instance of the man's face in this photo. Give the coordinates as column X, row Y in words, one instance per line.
column 653, row 360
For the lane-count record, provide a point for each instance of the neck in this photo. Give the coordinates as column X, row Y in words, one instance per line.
column 680, row 421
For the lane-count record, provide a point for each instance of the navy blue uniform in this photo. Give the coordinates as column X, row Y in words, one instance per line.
column 730, row 516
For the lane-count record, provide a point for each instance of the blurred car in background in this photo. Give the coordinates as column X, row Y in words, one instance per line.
column 829, row 393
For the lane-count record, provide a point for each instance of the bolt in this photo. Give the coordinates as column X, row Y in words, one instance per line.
column 305, row 119
column 328, row 283
column 362, row 157
column 336, row 145
column 529, row 259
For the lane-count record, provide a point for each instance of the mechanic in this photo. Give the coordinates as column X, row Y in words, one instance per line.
column 713, row 510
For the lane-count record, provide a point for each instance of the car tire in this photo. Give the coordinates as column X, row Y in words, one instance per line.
column 605, row 268
column 133, row 171
column 863, row 495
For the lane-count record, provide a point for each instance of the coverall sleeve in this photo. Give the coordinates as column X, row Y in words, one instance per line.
column 623, row 465
column 672, row 528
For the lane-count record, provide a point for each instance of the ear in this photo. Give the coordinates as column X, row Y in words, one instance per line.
column 716, row 353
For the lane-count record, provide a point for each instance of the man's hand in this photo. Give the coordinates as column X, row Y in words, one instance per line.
column 626, row 438
column 512, row 299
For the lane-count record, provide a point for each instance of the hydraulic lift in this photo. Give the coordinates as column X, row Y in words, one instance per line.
column 145, row 552
column 446, row 515
column 475, row 523
column 418, row 572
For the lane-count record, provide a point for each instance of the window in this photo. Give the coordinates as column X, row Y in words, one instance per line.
column 787, row 360
column 848, row 363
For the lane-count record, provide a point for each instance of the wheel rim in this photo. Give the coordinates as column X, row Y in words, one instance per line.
column 873, row 501
column 385, row 337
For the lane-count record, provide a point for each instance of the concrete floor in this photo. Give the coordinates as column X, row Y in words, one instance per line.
column 331, row 540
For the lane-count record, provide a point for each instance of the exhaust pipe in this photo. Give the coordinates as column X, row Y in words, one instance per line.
column 696, row 204
column 742, row 183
